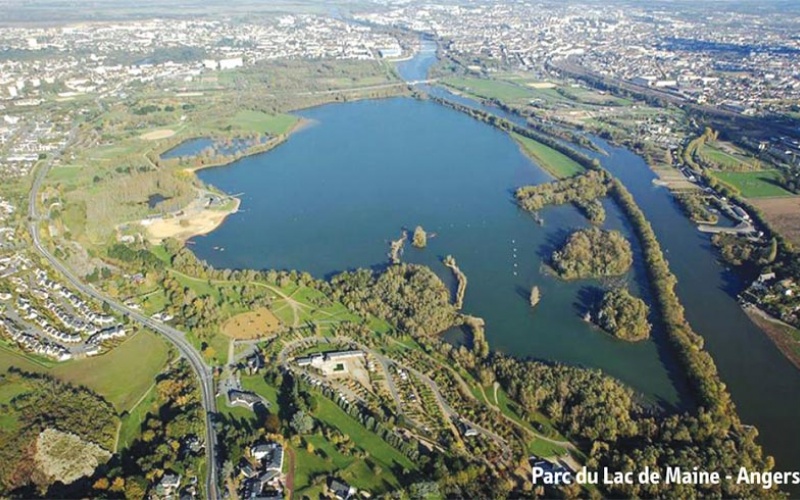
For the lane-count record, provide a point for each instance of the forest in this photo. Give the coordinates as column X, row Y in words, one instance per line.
column 410, row 296
column 581, row 189
column 40, row 403
column 623, row 315
column 593, row 253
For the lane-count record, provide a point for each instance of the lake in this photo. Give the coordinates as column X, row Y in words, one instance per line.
column 334, row 195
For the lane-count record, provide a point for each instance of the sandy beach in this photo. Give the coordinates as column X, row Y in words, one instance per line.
column 191, row 223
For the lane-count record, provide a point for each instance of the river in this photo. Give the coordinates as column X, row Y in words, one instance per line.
column 333, row 196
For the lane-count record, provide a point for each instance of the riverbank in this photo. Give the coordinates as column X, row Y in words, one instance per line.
column 783, row 335
column 263, row 148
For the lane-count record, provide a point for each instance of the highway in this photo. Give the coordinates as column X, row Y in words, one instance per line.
column 176, row 337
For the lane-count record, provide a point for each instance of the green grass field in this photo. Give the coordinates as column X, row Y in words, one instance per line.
column 122, row 375
column 490, row 89
column 326, row 459
column 355, row 472
column 131, row 424
column 8, row 391
column 758, row 184
column 256, row 121
column 557, row 164
column 724, row 159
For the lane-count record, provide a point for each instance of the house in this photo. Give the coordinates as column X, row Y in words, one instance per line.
column 168, row 485
column 340, row 489
column 255, row 363
column 270, row 455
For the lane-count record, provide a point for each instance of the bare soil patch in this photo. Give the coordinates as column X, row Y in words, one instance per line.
column 252, row 325
column 783, row 213
column 157, row 134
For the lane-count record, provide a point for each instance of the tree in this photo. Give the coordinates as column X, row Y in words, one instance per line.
column 420, row 239
column 302, row 423
column 272, row 424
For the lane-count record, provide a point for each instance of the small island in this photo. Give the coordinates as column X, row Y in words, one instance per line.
column 420, row 238
column 593, row 253
column 461, row 278
column 535, row 296
column 623, row 315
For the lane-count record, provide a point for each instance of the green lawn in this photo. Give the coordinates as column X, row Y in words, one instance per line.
column 257, row 384
column 379, row 450
column 559, row 165
column 758, row 184
column 8, row 391
column 326, row 459
column 11, row 356
column 724, row 159
column 256, row 121
column 490, row 89
column 131, row 424
column 123, row 374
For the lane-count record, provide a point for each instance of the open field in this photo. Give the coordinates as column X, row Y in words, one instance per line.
column 784, row 214
column 157, row 134
column 757, row 184
column 725, row 157
column 557, row 164
column 121, row 376
column 491, row 89
column 251, row 325
column 356, row 472
column 256, row 121
column 131, row 423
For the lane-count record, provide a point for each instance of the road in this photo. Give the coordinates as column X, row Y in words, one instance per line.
column 176, row 337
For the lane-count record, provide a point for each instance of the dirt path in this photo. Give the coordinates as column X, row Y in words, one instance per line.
column 290, row 474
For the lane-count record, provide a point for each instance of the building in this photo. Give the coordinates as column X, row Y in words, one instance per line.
column 235, row 62
column 340, row 489
column 242, row 398
column 390, row 51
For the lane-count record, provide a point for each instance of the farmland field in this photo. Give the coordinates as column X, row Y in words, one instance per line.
column 758, row 184
column 784, row 214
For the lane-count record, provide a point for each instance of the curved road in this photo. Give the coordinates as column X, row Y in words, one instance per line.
column 176, row 337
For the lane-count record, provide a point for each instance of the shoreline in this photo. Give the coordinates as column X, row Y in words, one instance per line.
column 197, row 224
column 775, row 329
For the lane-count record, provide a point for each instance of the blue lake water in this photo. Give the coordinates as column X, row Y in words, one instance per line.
column 337, row 192
column 333, row 196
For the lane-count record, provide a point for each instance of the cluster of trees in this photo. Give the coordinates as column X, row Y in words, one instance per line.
column 43, row 403
column 593, row 253
column 603, row 417
column 200, row 314
column 420, row 238
column 583, row 190
column 623, row 315
column 694, row 206
column 592, row 210
column 697, row 363
column 140, row 258
column 175, row 417
column 409, row 296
